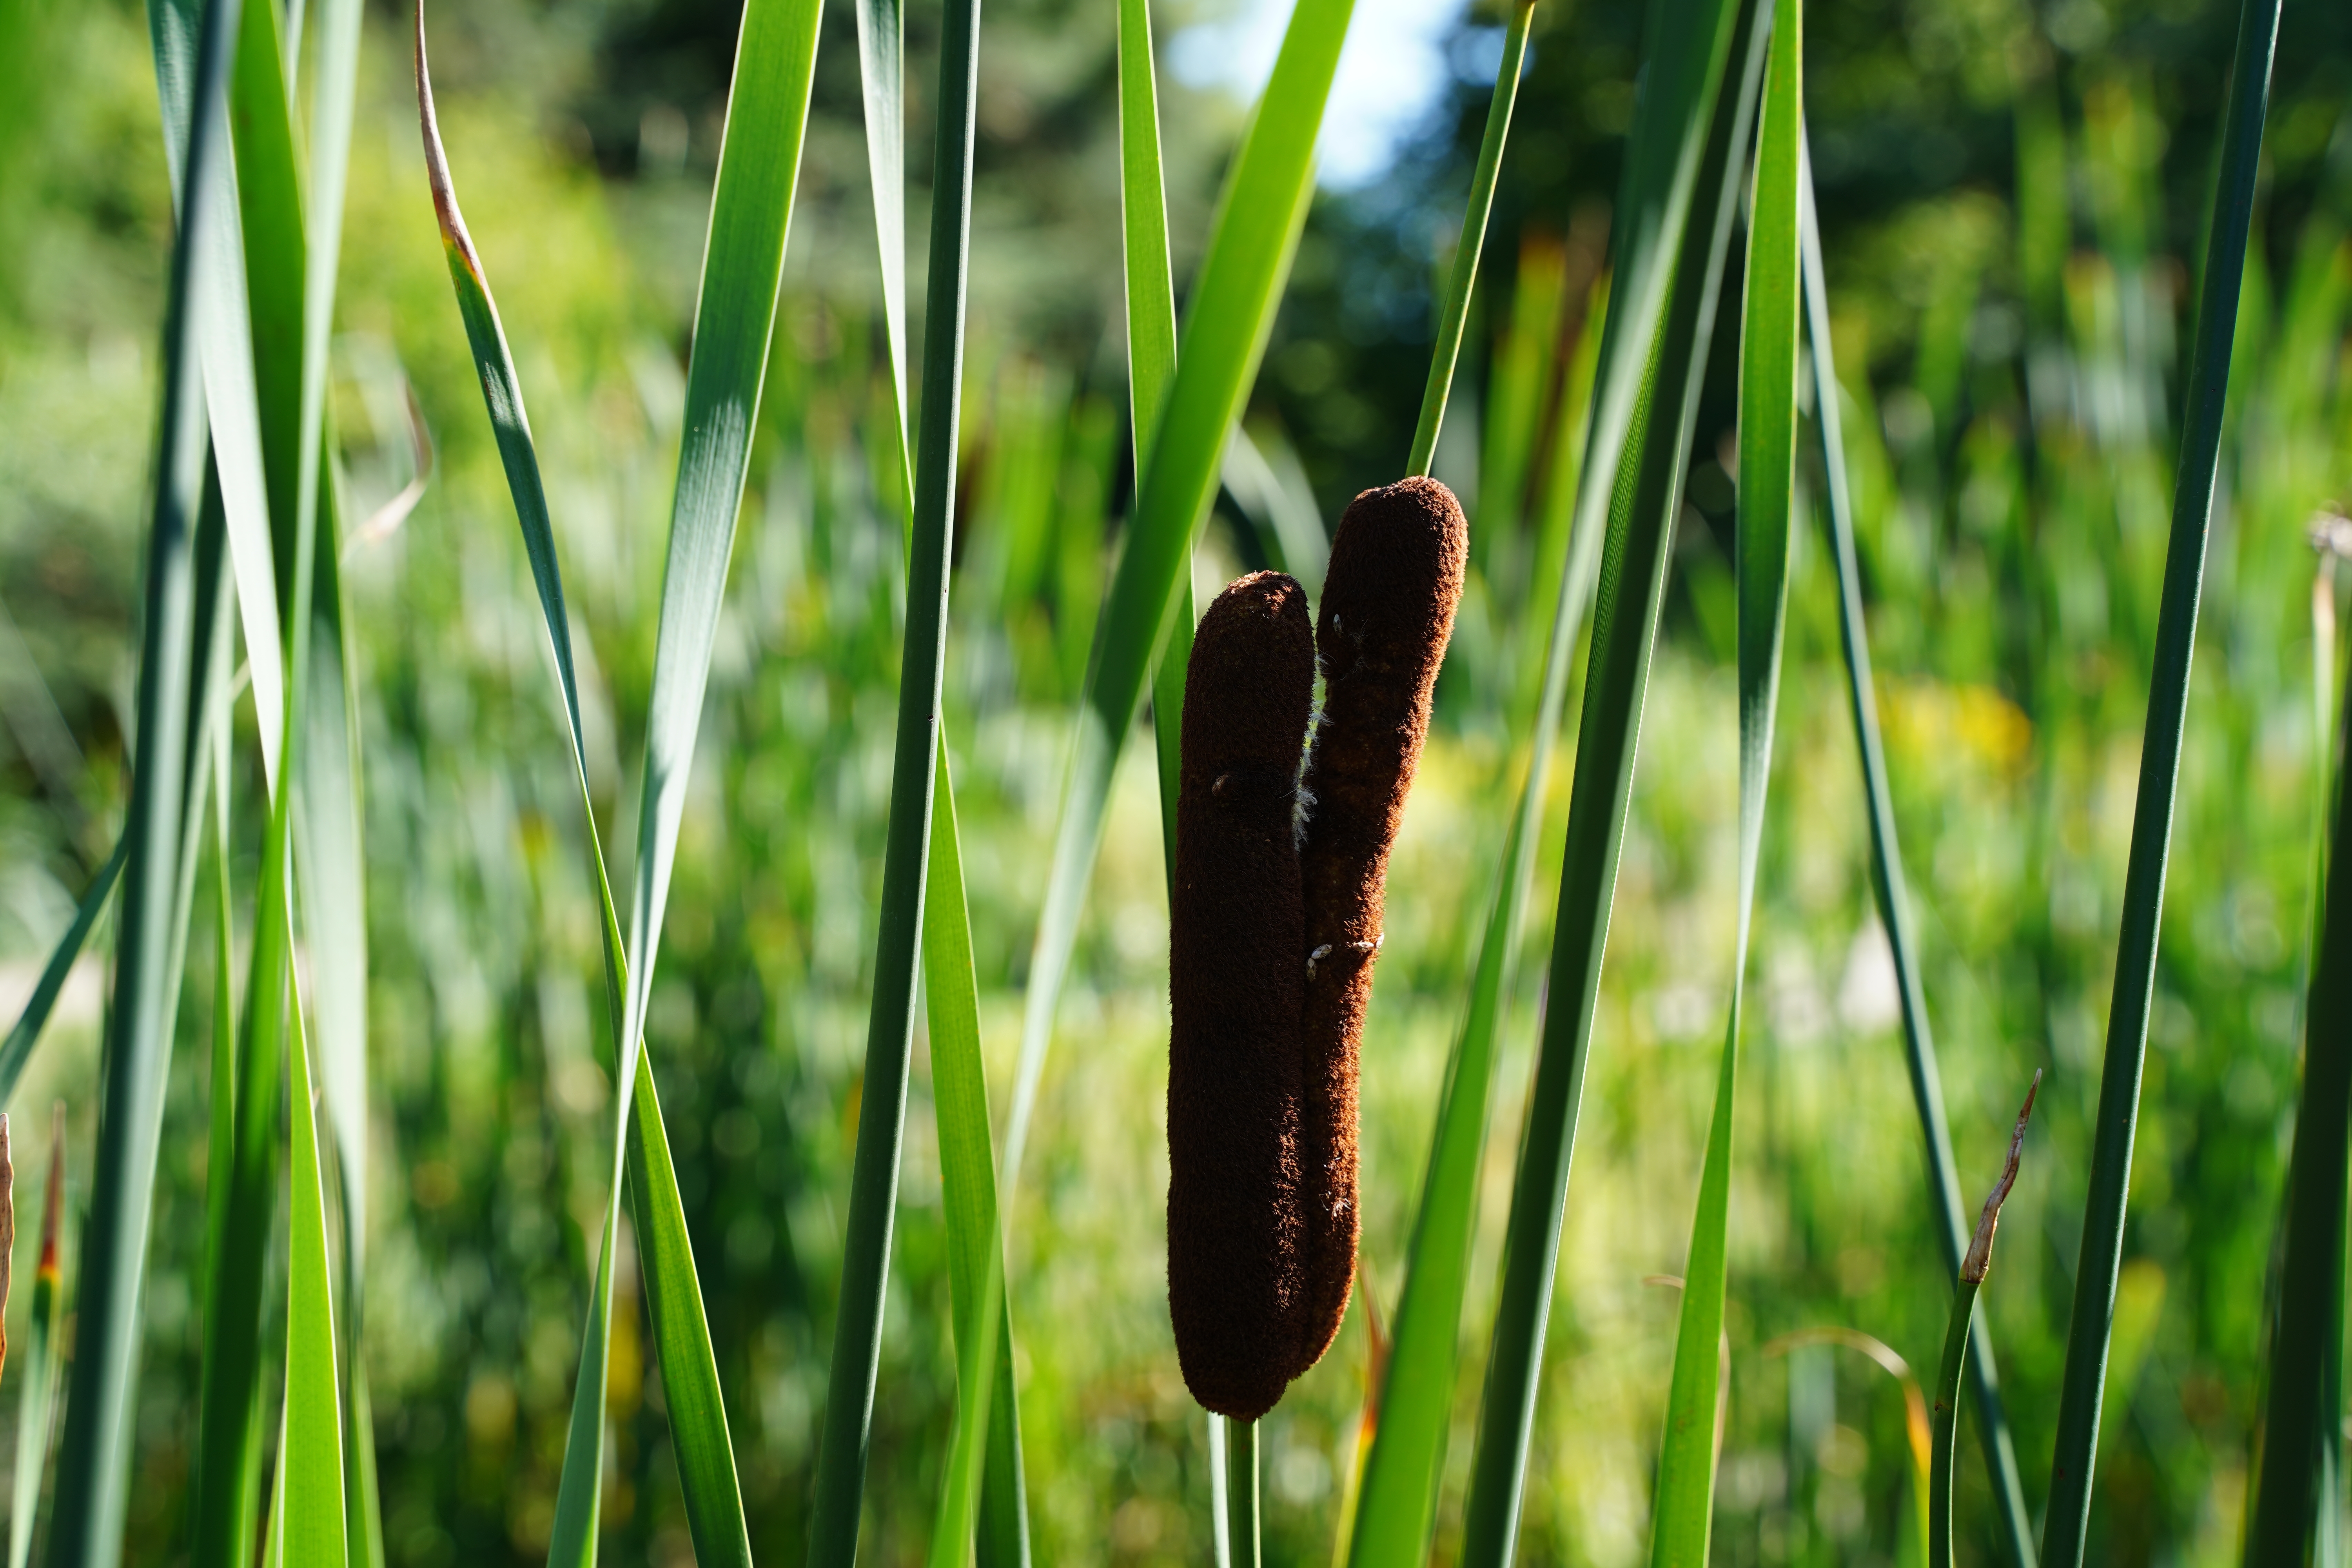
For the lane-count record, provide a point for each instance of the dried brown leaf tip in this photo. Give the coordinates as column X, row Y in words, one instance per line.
column 1234, row 989
column 1979, row 1256
column 1389, row 599
column 1273, row 925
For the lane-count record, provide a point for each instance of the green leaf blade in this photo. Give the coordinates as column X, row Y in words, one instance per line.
column 1260, row 216
column 2100, row 1261
column 313, row 1443
column 1653, row 347
column 681, row 1332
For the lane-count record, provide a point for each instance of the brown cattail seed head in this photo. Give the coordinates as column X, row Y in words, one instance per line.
column 1388, row 611
column 1234, row 989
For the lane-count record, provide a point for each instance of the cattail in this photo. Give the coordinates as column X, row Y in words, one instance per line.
column 1236, row 987
column 1388, row 610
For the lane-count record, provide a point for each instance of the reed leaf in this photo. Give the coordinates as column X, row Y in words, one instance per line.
column 1886, row 880
column 681, row 1332
column 289, row 305
column 1395, row 1507
column 1456, row 312
column 180, row 594
column 968, row 1191
column 889, row 1039
column 992, row 1416
column 1260, row 215
column 1683, row 1511
column 1682, row 1514
column 881, row 71
column 2205, row 404
column 311, row 1444
column 751, row 213
column 1656, row 379
column 224, row 337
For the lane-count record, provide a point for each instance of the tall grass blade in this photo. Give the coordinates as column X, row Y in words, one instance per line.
column 290, row 287
column 1151, row 368
column 26, row 1033
column 681, row 1331
column 1143, row 229
column 890, row 1028
column 43, row 1358
column 1396, row 1505
column 311, row 1448
column 1683, row 1515
column 93, row 1459
column 2287, row 1495
column 751, row 212
column 952, row 986
column 2205, row 403
column 1260, row 216
column 1688, row 48
column 230, row 1398
column 975, row 1248
column 329, row 861
column 1455, row 313
column 881, row 70
column 1895, row 904
column 225, row 336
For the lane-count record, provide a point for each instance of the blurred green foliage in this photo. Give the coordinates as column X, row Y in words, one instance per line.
column 2007, row 194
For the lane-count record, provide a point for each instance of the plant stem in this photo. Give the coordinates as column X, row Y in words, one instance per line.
column 1473, row 239
column 1241, row 1545
column 2206, row 404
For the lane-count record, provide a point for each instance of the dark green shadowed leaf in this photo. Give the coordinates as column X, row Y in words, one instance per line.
column 2205, row 403
column 947, row 966
column 1260, row 215
column 1682, row 1517
column 179, row 596
column 889, row 1038
column 1951, row 1225
column 1689, row 44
